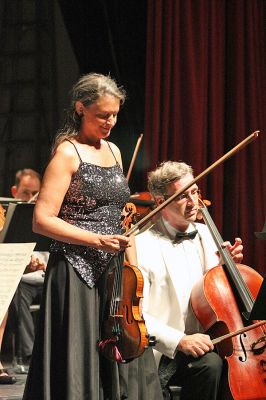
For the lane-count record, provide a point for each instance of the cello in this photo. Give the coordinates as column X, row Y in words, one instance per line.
column 222, row 302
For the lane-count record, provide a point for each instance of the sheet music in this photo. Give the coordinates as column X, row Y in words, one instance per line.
column 13, row 260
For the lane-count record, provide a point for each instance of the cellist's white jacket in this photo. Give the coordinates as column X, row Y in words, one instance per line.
column 170, row 270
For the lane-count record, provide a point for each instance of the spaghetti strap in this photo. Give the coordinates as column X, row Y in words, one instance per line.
column 112, row 152
column 80, row 159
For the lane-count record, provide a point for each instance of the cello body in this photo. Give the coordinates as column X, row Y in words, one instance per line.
column 217, row 309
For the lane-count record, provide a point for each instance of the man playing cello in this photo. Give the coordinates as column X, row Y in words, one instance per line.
column 173, row 255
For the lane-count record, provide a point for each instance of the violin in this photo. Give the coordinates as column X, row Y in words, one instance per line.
column 124, row 335
column 144, row 203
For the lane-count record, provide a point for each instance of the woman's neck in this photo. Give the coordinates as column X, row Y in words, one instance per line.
column 90, row 141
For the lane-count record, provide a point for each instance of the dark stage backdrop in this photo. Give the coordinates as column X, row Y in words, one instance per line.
column 110, row 37
column 203, row 92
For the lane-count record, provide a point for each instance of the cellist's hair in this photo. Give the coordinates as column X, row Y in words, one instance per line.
column 167, row 172
column 26, row 172
column 87, row 90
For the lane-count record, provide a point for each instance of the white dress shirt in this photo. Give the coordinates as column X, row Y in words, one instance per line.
column 170, row 271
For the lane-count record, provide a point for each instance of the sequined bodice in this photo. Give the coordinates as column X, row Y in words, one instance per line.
column 94, row 201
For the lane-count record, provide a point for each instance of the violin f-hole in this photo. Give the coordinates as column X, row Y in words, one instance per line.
column 126, row 313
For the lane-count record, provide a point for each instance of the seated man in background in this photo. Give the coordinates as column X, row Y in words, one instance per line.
column 173, row 254
column 29, row 291
column 27, row 184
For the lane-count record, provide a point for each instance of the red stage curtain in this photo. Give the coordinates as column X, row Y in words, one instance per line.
column 205, row 92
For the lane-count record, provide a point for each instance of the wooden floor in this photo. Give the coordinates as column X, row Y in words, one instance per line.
column 14, row 391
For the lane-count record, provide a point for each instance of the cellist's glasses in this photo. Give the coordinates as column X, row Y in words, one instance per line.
column 194, row 194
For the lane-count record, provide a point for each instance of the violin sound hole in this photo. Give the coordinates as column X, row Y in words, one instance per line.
column 126, row 313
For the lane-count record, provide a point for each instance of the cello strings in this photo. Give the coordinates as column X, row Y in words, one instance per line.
column 233, row 271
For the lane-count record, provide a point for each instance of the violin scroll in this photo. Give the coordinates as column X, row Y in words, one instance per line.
column 144, row 203
column 128, row 216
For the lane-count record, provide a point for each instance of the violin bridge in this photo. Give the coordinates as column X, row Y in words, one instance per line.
column 116, row 315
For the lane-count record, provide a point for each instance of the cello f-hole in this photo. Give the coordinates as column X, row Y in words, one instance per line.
column 242, row 359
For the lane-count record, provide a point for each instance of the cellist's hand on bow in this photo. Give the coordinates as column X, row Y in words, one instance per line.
column 195, row 345
column 113, row 243
column 235, row 250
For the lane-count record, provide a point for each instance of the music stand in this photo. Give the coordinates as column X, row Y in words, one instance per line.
column 258, row 311
column 18, row 227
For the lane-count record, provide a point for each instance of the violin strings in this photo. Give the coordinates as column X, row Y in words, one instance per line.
column 116, row 293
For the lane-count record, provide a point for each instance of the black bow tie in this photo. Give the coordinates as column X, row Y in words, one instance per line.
column 185, row 235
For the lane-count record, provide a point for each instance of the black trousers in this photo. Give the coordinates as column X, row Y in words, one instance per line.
column 22, row 320
column 198, row 377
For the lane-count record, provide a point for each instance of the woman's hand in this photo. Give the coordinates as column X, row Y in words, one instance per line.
column 113, row 243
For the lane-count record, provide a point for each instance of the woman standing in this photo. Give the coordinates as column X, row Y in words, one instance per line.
column 79, row 206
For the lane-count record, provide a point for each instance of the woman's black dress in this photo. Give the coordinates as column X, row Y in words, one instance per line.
column 66, row 364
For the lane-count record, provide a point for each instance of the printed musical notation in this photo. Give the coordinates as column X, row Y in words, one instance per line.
column 13, row 259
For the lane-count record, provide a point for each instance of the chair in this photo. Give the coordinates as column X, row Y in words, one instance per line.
column 174, row 392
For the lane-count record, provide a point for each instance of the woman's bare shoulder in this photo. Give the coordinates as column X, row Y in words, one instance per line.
column 65, row 153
